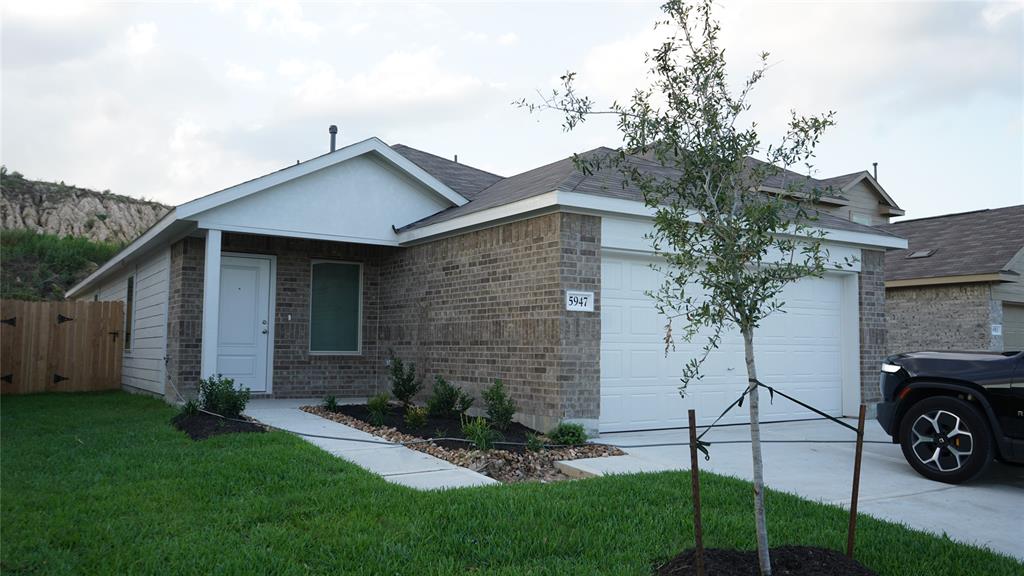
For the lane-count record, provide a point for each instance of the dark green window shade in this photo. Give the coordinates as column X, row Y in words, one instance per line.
column 334, row 309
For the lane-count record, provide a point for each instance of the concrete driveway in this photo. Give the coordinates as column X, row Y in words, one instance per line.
column 987, row 512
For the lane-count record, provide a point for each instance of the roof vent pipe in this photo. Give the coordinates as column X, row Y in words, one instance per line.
column 873, row 165
column 334, row 133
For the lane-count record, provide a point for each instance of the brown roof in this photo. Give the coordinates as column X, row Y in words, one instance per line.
column 969, row 243
column 563, row 175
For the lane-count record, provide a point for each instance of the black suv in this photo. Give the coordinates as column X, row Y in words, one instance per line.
column 953, row 412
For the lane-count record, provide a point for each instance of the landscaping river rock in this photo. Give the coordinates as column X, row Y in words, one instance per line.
column 506, row 466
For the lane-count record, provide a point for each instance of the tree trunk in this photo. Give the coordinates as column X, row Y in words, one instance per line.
column 755, row 448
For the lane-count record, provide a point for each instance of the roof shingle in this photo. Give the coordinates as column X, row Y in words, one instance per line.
column 969, row 243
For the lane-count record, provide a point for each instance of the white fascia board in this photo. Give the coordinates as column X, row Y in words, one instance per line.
column 598, row 205
column 190, row 209
column 203, row 224
column 137, row 245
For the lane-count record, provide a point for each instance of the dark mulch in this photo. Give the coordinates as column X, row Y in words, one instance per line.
column 200, row 426
column 437, row 427
column 786, row 561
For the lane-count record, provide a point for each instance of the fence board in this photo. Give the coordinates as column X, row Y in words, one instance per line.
column 38, row 353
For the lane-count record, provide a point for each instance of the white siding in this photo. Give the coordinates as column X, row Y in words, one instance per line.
column 358, row 200
column 144, row 363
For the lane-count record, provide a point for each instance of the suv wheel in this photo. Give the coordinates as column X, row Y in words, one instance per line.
column 946, row 439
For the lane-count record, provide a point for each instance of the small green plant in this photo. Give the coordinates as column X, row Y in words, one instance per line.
column 478, row 431
column 330, row 404
column 378, row 407
column 404, row 384
column 447, row 400
column 219, row 395
column 416, row 416
column 534, row 443
column 500, row 408
column 190, row 408
column 568, row 434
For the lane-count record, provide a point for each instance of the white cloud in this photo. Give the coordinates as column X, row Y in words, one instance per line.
column 400, row 78
column 140, row 38
column 508, row 39
column 478, row 37
column 244, row 74
column 996, row 13
column 283, row 18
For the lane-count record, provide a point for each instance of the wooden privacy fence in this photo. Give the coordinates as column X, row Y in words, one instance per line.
column 60, row 346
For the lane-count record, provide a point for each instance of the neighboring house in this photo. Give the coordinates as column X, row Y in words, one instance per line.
column 959, row 283
column 298, row 283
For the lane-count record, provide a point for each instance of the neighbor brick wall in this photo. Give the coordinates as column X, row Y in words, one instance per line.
column 871, row 293
column 952, row 317
column 489, row 304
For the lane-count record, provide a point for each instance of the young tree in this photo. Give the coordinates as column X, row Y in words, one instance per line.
column 733, row 231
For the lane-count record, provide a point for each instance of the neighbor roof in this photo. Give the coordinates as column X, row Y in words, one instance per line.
column 966, row 244
column 563, row 175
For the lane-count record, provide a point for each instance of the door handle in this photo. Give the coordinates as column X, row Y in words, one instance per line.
column 265, row 330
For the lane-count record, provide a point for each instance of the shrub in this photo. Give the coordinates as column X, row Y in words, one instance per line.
column 219, row 395
column 500, row 408
column 379, row 408
column 404, row 384
column 447, row 400
column 330, row 404
column 416, row 416
column 479, row 432
column 190, row 408
column 534, row 443
column 568, row 433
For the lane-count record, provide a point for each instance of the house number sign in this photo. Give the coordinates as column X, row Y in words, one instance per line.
column 579, row 301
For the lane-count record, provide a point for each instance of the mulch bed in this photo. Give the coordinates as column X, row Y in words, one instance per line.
column 200, row 426
column 786, row 561
column 514, row 464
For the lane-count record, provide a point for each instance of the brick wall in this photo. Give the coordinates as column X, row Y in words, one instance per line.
column 953, row 317
column 472, row 308
column 871, row 293
column 490, row 304
column 184, row 318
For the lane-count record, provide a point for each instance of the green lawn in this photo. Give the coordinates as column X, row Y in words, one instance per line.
column 101, row 483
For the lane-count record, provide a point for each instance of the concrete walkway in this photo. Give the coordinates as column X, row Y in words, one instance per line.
column 395, row 463
column 986, row 512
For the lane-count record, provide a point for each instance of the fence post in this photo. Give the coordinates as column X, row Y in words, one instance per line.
column 698, row 529
column 851, row 534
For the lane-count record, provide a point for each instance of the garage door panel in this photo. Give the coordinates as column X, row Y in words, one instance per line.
column 797, row 352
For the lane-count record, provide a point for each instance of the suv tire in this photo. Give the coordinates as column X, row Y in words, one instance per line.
column 946, row 439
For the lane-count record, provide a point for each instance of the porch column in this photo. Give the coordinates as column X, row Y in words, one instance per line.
column 211, row 303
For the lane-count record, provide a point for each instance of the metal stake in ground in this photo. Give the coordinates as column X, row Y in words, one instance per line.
column 851, row 534
column 698, row 529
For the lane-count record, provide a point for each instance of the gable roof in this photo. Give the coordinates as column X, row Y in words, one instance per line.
column 982, row 242
column 464, row 179
column 563, row 176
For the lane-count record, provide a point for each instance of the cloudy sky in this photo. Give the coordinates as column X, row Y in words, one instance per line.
column 174, row 100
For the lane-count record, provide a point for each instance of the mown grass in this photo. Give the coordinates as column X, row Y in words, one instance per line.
column 101, row 484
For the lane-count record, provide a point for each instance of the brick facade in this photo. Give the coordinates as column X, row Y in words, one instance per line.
column 871, row 295
column 951, row 317
column 482, row 305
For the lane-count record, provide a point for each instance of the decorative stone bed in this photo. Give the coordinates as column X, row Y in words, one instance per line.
column 505, row 465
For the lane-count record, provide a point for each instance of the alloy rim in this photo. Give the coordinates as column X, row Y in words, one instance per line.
column 941, row 441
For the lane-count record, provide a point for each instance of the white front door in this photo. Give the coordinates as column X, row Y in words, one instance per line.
column 243, row 343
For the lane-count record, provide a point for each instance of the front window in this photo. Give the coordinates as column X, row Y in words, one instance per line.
column 335, row 304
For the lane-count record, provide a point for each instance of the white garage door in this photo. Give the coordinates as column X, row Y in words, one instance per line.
column 797, row 352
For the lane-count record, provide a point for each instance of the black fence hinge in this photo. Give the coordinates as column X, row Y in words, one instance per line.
column 9, row 378
column 12, row 321
column 57, row 378
column 62, row 318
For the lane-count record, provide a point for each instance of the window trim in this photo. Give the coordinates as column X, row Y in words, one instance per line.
column 131, row 291
column 359, row 312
